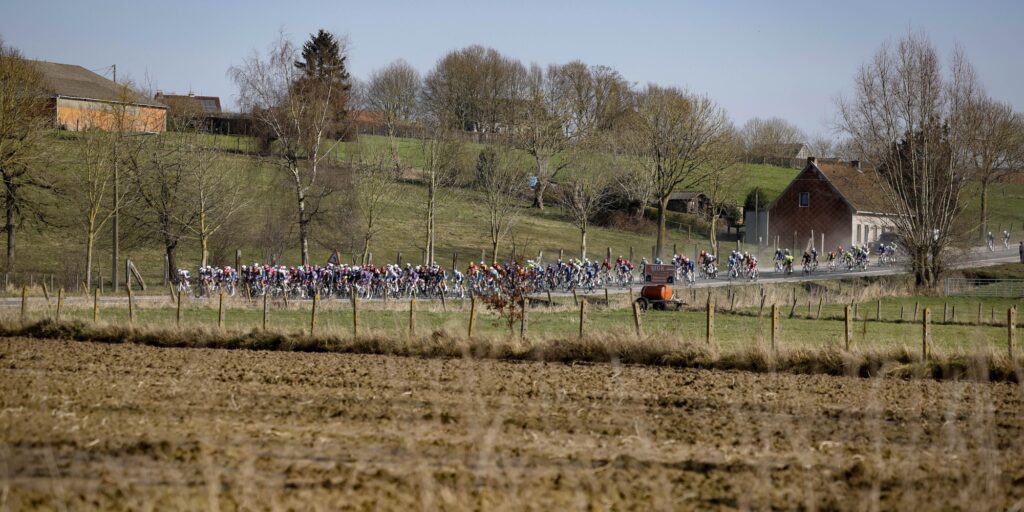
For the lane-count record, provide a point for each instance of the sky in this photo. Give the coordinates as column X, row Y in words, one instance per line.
column 789, row 59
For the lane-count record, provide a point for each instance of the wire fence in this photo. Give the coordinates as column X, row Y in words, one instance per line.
column 978, row 287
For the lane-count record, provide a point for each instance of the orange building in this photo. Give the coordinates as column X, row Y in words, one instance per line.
column 83, row 100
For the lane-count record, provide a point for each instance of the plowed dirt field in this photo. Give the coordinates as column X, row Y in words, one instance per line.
column 95, row 426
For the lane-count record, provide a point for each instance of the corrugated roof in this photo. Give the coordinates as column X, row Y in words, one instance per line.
column 862, row 187
column 73, row 81
column 208, row 104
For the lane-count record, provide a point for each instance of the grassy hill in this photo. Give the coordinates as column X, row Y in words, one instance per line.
column 59, row 248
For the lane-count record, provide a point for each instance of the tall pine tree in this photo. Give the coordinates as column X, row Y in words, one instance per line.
column 325, row 72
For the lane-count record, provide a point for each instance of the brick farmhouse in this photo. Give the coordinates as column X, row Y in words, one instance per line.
column 827, row 204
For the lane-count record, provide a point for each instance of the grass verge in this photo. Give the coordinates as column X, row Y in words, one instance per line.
column 980, row 364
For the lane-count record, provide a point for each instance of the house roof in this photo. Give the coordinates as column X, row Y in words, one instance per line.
column 684, row 195
column 861, row 186
column 70, row 81
column 206, row 104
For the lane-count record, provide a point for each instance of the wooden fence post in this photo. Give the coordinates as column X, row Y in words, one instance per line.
column 60, row 302
column 848, row 326
column 1011, row 326
column 265, row 309
column 926, row 333
column 775, row 326
column 46, row 293
column 575, row 299
column 821, row 298
column 901, row 312
column 355, row 313
column 878, row 311
column 636, row 320
column 472, row 313
column 607, row 301
column 945, row 309
column 312, row 318
column 220, row 311
column 522, row 320
column 709, row 331
column 981, row 315
column 551, row 302
column 131, row 302
column 412, row 316
column 917, row 306
column 24, row 302
column 583, row 315
column 96, row 305
column 177, row 317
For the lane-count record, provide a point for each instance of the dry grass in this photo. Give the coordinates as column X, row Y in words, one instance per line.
column 620, row 347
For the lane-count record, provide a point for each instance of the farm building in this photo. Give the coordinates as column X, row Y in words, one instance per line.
column 688, row 202
column 83, row 100
column 189, row 102
column 840, row 201
column 205, row 112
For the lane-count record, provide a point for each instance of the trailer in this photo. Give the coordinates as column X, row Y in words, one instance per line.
column 657, row 292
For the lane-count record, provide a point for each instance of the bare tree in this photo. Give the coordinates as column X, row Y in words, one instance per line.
column 165, row 209
column 375, row 192
column 24, row 124
column 723, row 179
column 912, row 120
column 442, row 159
column 997, row 148
column 768, row 140
column 393, row 91
column 501, row 183
column 671, row 138
column 300, row 107
column 586, row 192
column 216, row 198
column 474, row 89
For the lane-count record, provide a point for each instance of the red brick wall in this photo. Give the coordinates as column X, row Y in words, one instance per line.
column 827, row 213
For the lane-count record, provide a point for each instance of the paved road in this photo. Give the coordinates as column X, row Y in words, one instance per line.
column 977, row 258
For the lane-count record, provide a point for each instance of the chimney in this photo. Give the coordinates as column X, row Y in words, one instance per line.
column 855, row 164
column 812, row 160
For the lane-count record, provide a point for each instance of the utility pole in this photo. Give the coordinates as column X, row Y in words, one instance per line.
column 117, row 210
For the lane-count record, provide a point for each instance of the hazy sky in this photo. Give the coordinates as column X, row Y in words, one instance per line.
column 756, row 58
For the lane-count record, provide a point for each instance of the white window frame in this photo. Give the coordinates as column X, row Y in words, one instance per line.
column 800, row 199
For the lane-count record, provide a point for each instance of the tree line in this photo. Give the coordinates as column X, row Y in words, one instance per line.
column 579, row 134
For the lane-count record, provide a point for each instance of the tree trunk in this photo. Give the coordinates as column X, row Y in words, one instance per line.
column 662, row 210
column 494, row 251
column 89, row 245
column 538, row 193
column 542, row 182
column 171, row 251
column 984, row 208
column 583, row 243
column 204, row 240
column 10, row 225
column 431, row 195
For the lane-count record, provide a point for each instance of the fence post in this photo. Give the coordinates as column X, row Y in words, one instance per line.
column 945, row 309
column 607, row 301
column 312, row 318
column 24, row 302
column 575, row 299
column 178, row 314
column 412, row 316
column 522, row 320
column 821, row 298
column 981, row 317
column 709, row 332
column 60, row 302
column 220, row 311
column 472, row 313
column 551, row 303
column 1011, row 326
column 878, row 311
column 46, row 293
column 901, row 312
column 131, row 302
column 952, row 315
column 775, row 325
column 583, row 315
column 636, row 320
column 355, row 313
column 926, row 332
column 848, row 326
column 264, row 322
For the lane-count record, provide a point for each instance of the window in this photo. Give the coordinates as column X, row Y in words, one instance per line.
column 805, row 199
column 858, row 233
